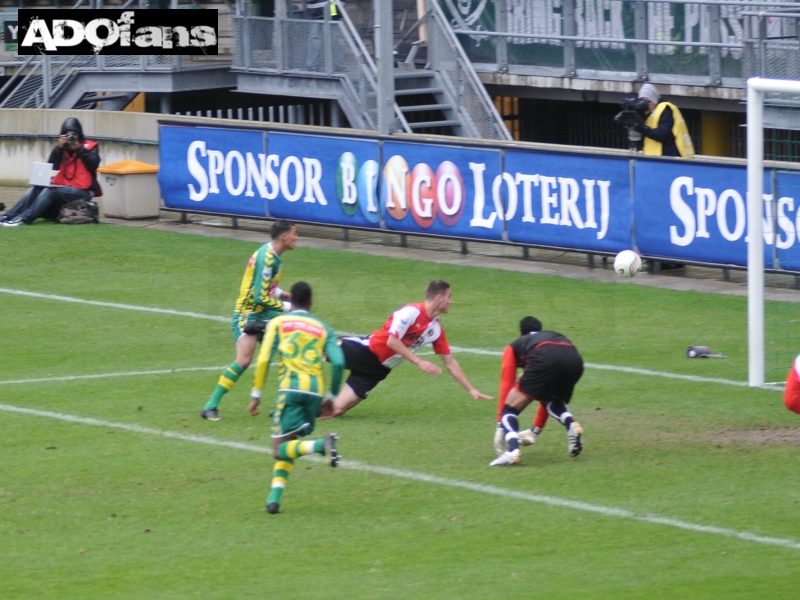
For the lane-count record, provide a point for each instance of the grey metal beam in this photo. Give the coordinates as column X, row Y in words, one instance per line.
column 714, row 54
column 570, row 28
column 500, row 24
column 165, row 82
column 640, row 32
column 306, row 87
column 281, row 85
column 385, row 59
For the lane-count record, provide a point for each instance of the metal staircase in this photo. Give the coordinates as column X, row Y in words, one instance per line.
column 286, row 57
column 444, row 96
column 424, row 103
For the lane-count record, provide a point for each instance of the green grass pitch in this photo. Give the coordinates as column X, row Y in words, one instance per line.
column 96, row 511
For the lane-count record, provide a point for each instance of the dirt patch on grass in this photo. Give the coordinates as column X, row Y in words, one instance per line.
column 757, row 436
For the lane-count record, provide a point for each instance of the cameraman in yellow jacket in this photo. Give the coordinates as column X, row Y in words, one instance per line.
column 665, row 132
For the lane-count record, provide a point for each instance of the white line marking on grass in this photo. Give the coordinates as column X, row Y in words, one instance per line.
column 105, row 375
column 163, row 311
column 605, row 511
column 478, row 351
column 637, row 371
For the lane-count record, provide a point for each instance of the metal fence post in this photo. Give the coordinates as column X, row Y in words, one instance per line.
column 46, row 80
column 279, row 54
column 570, row 28
column 714, row 58
column 245, row 42
column 326, row 41
column 762, row 46
column 385, row 54
column 501, row 47
column 640, row 33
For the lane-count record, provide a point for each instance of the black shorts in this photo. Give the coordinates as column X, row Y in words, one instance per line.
column 366, row 371
column 551, row 373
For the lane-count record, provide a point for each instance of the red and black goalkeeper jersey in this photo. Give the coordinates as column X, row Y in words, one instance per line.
column 516, row 355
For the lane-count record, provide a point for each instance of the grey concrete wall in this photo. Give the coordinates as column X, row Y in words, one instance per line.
column 39, row 129
column 28, row 135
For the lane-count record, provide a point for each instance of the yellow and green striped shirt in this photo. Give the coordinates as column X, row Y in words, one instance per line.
column 300, row 342
column 260, row 282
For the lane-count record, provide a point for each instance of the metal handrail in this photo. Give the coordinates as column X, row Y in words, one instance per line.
column 412, row 29
column 466, row 68
column 584, row 38
column 10, row 83
column 351, row 29
column 68, row 73
column 353, row 35
column 21, row 83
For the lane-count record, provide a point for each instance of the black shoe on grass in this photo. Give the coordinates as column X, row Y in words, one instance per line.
column 330, row 448
column 211, row 414
column 273, row 508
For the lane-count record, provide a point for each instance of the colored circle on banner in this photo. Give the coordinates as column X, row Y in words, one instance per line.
column 346, row 185
column 422, row 195
column 451, row 193
column 395, row 187
column 367, row 185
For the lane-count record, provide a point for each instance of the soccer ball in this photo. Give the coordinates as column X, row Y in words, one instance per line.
column 627, row 263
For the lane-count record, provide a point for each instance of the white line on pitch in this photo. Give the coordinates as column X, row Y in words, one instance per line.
column 478, row 351
column 163, row 311
column 605, row 511
column 106, row 375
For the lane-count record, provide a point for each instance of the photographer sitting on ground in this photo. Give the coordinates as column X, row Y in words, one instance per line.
column 76, row 159
column 665, row 131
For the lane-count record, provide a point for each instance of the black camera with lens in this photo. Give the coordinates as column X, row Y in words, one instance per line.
column 634, row 111
column 72, row 138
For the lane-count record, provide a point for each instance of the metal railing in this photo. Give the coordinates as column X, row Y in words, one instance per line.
column 37, row 81
column 448, row 59
column 316, row 48
column 772, row 57
column 688, row 42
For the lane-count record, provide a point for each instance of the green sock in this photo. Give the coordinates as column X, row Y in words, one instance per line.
column 280, row 476
column 225, row 383
column 296, row 448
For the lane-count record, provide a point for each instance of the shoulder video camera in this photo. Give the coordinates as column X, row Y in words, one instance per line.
column 634, row 111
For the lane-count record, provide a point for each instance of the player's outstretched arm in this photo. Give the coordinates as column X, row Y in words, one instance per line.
column 398, row 346
column 455, row 370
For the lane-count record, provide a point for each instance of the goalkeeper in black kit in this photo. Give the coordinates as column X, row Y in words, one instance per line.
column 552, row 367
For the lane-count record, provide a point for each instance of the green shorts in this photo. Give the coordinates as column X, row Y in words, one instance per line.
column 295, row 414
column 242, row 320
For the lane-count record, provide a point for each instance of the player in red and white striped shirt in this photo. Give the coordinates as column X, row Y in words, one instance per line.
column 791, row 395
column 414, row 326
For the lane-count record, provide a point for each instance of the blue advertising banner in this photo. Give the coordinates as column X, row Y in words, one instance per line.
column 570, row 201
column 330, row 180
column 682, row 210
column 786, row 210
column 691, row 211
column 214, row 170
column 441, row 190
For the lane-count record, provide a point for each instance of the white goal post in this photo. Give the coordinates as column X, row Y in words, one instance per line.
column 756, row 88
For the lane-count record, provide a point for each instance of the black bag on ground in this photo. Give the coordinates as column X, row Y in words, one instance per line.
column 78, row 211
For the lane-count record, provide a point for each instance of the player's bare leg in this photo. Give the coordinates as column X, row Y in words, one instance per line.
column 245, row 348
column 346, row 400
column 516, row 402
